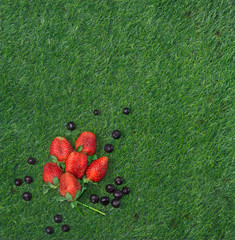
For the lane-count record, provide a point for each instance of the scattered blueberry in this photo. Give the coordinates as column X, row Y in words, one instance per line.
column 108, row 148
column 18, row 182
column 96, row 112
column 31, row 161
column 115, row 203
column 28, row 179
column 110, row 188
column 104, row 200
column 27, row 196
column 58, row 218
column 125, row 190
column 118, row 180
column 65, row 228
column 94, row 198
column 71, row 126
column 126, row 111
column 49, row 230
column 116, row 134
column 117, row 194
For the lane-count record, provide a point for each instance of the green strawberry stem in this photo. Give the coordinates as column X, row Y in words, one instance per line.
column 85, row 180
column 80, row 148
column 79, row 211
column 84, row 205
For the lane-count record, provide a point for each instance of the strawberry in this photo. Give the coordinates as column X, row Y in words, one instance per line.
column 88, row 142
column 60, row 148
column 69, row 184
column 50, row 171
column 97, row 169
column 76, row 163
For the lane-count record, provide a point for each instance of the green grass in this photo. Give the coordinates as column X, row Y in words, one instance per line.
column 171, row 63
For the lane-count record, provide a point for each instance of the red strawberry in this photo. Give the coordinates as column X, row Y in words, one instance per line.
column 69, row 184
column 60, row 148
column 97, row 169
column 76, row 163
column 51, row 170
column 88, row 141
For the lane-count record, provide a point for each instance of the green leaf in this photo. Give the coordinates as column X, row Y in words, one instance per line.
column 68, row 196
column 56, row 181
column 62, row 165
column 72, row 205
column 45, row 191
column 83, row 190
column 80, row 148
column 79, row 211
column 51, row 185
column 60, row 199
column 45, row 185
column 94, row 157
column 77, row 194
column 54, row 159
column 85, row 180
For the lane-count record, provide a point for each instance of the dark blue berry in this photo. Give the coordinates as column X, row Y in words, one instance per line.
column 108, row 148
column 65, row 228
column 126, row 111
column 71, row 126
column 31, row 161
column 49, row 230
column 115, row 203
column 118, row 180
column 28, row 179
column 94, row 198
column 96, row 112
column 125, row 190
column 116, row 134
column 117, row 194
column 27, row 196
column 58, row 218
column 18, row 182
column 110, row 188
column 104, row 200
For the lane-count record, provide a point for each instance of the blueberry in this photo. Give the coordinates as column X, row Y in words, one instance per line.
column 104, row 200
column 125, row 190
column 96, row 112
column 18, row 182
column 71, row 126
column 27, row 196
column 108, row 148
column 117, row 194
column 58, row 218
column 116, row 134
column 49, row 230
column 109, row 188
column 115, row 203
column 65, row 228
column 126, row 111
column 94, row 198
column 31, row 161
column 118, row 180
column 28, row 179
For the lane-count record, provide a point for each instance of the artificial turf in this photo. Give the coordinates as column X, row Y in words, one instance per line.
column 170, row 62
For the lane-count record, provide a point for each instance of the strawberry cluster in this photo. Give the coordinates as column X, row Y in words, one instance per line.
column 70, row 170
